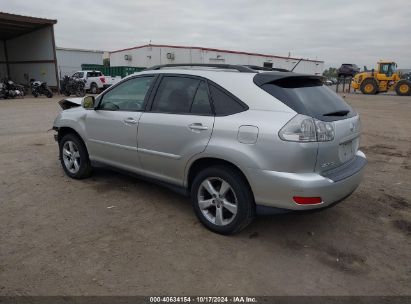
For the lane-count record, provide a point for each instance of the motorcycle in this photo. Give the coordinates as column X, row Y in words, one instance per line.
column 73, row 85
column 2, row 90
column 40, row 88
column 11, row 90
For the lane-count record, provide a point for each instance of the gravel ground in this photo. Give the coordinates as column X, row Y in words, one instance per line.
column 116, row 235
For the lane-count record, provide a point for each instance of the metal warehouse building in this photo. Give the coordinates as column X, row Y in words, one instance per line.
column 152, row 54
column 27, row 49
column 70, row 60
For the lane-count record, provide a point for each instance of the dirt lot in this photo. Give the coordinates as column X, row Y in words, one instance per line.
column 115, row 235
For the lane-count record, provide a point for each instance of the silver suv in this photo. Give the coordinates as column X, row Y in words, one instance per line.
column 238, row 141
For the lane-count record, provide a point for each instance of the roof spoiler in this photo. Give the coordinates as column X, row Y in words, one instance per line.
column 264, row 78
column 259, row 68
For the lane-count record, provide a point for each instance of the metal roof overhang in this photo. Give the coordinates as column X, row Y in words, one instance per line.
column 12, row 26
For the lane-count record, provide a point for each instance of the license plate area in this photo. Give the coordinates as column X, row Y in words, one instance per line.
column 347, row 150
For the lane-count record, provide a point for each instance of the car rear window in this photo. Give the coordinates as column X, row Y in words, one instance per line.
column 309, row 97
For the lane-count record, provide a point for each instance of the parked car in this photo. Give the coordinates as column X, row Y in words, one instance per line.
column 95, row 81
column 348, row 70
column 239, row 142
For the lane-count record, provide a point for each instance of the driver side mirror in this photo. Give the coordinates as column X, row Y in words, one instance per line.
column 88, row 102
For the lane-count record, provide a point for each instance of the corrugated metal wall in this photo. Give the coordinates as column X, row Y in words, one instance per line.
column 3, row 66
column 32, row 56
column 70, row 60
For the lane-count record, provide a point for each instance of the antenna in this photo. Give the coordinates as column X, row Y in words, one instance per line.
column 296, row 64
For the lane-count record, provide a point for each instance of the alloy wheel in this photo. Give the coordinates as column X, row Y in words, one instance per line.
column 71, row 157
column 217, row 201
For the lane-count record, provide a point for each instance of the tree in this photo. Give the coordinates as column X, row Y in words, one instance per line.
column 330, row 73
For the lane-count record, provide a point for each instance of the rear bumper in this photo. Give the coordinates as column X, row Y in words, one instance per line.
column 277, row 189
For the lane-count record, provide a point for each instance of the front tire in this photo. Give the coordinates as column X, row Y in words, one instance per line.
column 403, row 88
column 80, row 93
column 222, row 200
column 74, row 157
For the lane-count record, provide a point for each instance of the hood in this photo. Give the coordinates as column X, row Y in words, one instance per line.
column 69, row 103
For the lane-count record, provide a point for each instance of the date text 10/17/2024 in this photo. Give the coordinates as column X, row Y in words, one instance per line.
column 199, row 299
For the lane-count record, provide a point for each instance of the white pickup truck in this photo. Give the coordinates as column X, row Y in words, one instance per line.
column 96, row 81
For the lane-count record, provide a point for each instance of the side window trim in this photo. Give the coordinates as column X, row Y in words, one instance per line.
column 146, row 98
column 194, row 97
column 157, row 83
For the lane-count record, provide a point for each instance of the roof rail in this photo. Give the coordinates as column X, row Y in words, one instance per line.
column 240, row 68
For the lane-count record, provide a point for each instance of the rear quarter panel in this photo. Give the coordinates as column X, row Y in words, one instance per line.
column 269, row 152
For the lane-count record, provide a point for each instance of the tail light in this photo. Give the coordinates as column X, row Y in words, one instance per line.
column 307, row 200
column 103, row 80
column 306, row 129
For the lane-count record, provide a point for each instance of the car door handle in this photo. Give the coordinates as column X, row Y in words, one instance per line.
column 130, row 120
column 197, row 126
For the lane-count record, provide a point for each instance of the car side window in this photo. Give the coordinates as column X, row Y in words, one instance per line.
column 80, row 75
column 201, row 102
column 224, row 104
column 127, row 96
column 94, row 74
column 175, row 95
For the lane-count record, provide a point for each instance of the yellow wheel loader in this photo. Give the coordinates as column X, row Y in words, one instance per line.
column 383, row 79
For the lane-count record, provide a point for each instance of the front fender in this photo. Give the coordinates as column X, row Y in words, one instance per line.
column 74, row 119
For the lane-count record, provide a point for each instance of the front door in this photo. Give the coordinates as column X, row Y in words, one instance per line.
column 178, row 126
column 112, row 127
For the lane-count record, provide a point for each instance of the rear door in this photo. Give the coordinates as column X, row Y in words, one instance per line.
column 177, row 126
column 112, row 126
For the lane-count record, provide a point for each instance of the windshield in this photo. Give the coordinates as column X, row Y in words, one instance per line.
column 310, row 97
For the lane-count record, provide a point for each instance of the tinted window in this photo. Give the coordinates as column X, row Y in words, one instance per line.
column 309, row 97
column 94, row 74
column 223, row 103
column 201, row 103
column 127, row 96
column 175, row 95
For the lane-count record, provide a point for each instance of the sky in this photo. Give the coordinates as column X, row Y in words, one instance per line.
column 361, row 31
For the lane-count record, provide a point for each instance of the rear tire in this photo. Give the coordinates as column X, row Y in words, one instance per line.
column 49, row 94
column 222, row 200
column 369, row 86
column 403, row 88
column 74, row 157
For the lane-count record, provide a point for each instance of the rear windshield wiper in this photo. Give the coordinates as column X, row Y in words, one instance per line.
column 337, row 113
